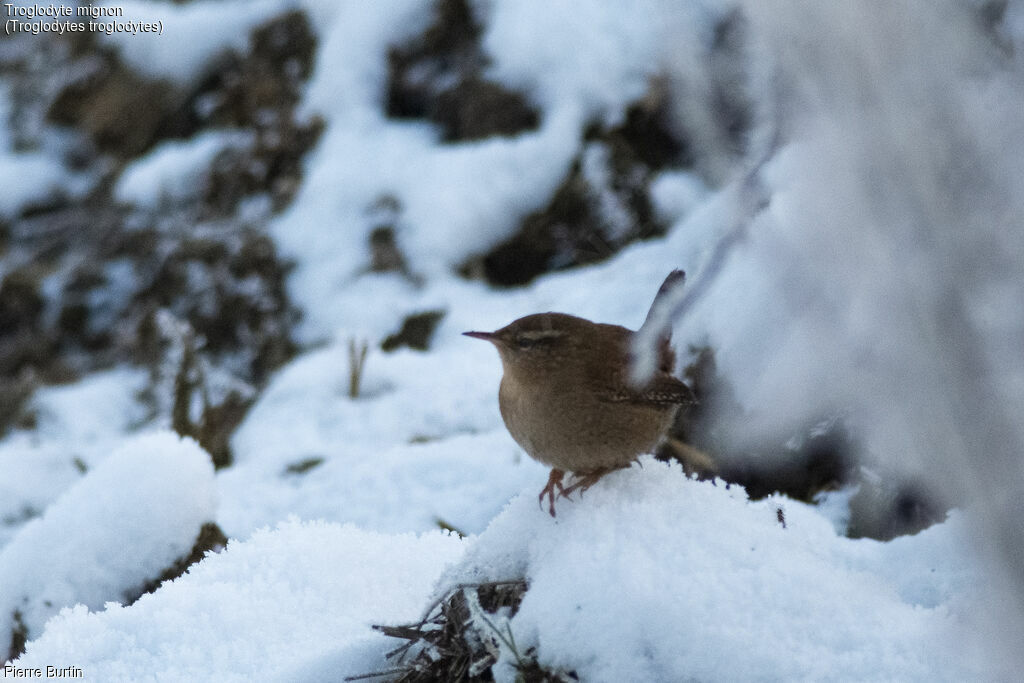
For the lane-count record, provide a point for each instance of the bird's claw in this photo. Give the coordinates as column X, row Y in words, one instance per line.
column 585, row 481
column 554, row 482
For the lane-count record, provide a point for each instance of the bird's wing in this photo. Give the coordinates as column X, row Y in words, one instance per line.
column 663, row 389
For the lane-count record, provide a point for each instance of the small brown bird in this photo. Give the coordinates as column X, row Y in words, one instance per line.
column 567, row 399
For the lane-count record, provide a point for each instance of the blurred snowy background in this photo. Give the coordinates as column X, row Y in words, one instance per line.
column 236, row 257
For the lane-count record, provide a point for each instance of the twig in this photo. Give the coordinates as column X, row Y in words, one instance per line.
column 356, row 361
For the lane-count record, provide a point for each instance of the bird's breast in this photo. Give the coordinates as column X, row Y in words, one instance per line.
column 574, row 430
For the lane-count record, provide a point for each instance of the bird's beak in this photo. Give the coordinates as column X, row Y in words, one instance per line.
column 486, row 336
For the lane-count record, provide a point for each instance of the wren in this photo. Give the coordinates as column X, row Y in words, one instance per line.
column 567, row 397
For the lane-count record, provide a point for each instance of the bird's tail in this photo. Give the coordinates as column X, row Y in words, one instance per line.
column 653, row 349
column 670, row 290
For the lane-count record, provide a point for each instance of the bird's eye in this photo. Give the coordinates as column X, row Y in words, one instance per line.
column 532, row 338
column 524, row 342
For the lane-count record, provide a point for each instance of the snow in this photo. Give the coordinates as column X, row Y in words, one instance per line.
column 893, row 182
column 194, row 35
column 80, row 422
column 174, row 170
column 118, row 527
column 28, row 179
column 592, row 57
column 264, row 609
column 416, row 446
column 675, row 194
column 442, row 220
column 701, row 575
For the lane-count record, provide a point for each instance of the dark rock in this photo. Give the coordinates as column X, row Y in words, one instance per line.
column 25, row 342
column 205, row 250
column 21, row 303
column 121, row 111
column 824, row 456
column 821, row 457
column 883, row 509
column 602, row 205
column 270, row 166
column 124, row 113
column 259, row 91
column 81, row 323
column 477, row 108
column 14, row 396
column 304, row 465
column 226, row 281
column 417, row 329
column 563, row 233
column 210, row 539
column 821, row 460
column 439, row 76
column 448, row 49
column 384, row 253
column 260, row 88
column 18, row 639
column 645, row 137
column 230, row 287
column 196, row 258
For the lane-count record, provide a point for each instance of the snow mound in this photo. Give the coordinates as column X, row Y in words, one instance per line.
column 78, row 425
column 121, row 525
column 652, row 576
column 274, row 603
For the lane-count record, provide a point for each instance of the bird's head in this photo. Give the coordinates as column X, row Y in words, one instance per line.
column 539, row 343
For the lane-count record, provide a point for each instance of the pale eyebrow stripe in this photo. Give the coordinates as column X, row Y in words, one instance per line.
column 541, row 334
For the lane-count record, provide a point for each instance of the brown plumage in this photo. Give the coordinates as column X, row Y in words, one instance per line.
column 566, row 396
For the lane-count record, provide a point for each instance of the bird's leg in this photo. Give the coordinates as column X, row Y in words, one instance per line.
column 588, row 479
column 554, row 482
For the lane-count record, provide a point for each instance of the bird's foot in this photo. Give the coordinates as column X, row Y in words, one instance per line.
column 587, row 479
column 554, row 482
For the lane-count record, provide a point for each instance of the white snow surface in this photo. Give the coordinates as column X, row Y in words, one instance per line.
column 259, row 609
column 194, row 34
column 651, row 576
column 81, row 422
column 28, row 179
column 655, row 577
column 826, row 300
column 118, row 527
